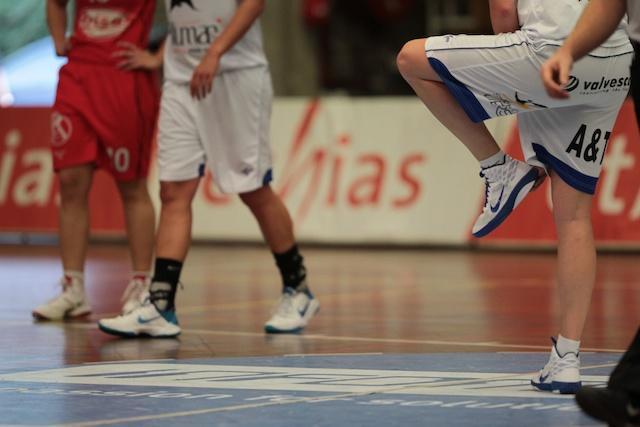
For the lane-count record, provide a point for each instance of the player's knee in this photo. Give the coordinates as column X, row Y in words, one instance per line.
column 172, row 194
column 409, row 56
column 403, row 60
column 255, row 199
column 133, row 191
column 73, row 185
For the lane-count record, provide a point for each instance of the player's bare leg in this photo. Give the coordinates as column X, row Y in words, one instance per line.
column 507, row 180
column 416, row 70
column 140, row 222
column 297, row 304
column 576, row 277
column 73, row 229
column 576, row 255
column 174, row 230
column 75, row 183
column 273, row 218
column 157, row 315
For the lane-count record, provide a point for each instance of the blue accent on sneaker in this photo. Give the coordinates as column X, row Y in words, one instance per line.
column 268, row 177
column 460, row 92
column 142, row 320
column 560, row 387
column 579, row 181
column 170, row 316
column 507, row 207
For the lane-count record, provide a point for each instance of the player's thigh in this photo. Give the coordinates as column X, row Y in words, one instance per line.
column 490, row 76
column 234, row 126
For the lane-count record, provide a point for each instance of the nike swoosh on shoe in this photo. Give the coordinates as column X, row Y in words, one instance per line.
column 496, row 208
column 143, row 321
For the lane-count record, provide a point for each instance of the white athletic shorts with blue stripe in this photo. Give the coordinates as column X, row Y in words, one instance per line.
column 228, row 131
column 499, row 75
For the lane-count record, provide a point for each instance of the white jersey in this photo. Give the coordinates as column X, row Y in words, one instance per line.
column 633, row 10
column 194, row 25
column 549, row 22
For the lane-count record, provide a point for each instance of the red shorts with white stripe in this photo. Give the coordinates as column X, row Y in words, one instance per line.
column 106, row 117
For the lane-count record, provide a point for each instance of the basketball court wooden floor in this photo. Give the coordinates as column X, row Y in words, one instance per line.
column 439, row 338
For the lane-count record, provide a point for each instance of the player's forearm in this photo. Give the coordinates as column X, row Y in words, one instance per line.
column 504, row 16
column 246, row 14
column 599, row 20
column 159, row 54
column 57, row 21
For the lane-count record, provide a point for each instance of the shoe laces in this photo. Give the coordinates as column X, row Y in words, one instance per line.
column 495, row 176
column 285, row 305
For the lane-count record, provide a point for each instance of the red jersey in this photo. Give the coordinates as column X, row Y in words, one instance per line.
column 101, row 24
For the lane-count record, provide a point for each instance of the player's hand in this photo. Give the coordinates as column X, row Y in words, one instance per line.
column 131, row 57
column 202, row 80
column 63, row 47
column 555, row 74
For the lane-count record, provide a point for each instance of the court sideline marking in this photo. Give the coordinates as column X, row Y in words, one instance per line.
column 318, row 337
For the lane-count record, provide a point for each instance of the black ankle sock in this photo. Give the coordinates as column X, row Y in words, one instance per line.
column 164, row 284
column 292, row 270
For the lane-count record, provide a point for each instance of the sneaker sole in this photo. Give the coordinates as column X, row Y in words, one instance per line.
column 557, row 386
column 314, row 308
column 71, row 315
column 520, row 191
column 125, row 334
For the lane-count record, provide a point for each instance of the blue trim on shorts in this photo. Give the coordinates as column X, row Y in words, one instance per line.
column 268, row 177
column 461, row 93
column 201, row 170
column 579, row 181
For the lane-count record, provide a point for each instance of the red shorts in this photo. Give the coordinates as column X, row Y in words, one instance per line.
column 106, row 117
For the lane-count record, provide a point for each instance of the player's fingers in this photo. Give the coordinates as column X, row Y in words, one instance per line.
column 122, row 54
column 124, row 65
column 127, row 45
column 563, row 73
column 203, row 87
column 546, row 74
column 209, row 83
column 192, row 86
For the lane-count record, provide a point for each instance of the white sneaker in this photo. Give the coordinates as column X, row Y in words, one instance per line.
column 506, row 185
column 561, row 374
column 143, row 321
column 293, row 312
column 135, row 295
column 70, row 303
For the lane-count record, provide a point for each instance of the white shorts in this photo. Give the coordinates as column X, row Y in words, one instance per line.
column 499, row 75
column 228, row 131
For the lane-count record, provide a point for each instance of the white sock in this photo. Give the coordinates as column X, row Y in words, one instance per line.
column 565, row 345
column 77, row 281
column 491, row 161
column 76, row 275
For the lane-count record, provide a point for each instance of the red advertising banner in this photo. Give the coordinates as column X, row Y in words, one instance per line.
column 28, row 189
